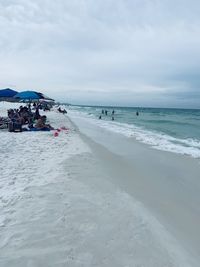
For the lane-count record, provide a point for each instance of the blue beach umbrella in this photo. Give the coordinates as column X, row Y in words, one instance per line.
column 44, row 97
column 28, row 95
column 31, row 95
column 7, row 93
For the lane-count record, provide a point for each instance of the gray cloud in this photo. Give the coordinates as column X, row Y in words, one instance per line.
column 127, row 52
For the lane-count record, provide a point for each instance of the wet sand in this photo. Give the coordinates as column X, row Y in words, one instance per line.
column 166, row 183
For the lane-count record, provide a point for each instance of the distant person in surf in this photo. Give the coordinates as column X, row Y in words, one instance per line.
column 106, row 112
column 137, row 113
column 100, row 117
column 113, row 118
column 113, row 112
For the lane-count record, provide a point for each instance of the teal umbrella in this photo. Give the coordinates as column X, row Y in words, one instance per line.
column 30, row 95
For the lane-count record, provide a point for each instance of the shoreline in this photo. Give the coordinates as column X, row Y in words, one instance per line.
column 158, row 135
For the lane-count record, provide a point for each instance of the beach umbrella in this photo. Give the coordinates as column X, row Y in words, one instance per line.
column 44, row 97
column 27, row 95
column 30, row 95
column 7, row 93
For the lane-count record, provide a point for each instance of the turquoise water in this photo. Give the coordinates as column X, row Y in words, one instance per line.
column 176, row 130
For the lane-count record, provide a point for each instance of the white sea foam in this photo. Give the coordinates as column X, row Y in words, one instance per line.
column 161, row 141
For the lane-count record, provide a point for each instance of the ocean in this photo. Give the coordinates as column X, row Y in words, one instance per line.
column 174, row 130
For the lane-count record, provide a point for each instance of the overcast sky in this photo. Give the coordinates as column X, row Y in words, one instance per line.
column 117, row 52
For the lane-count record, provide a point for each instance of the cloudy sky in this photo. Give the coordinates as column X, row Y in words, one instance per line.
column 117, row 52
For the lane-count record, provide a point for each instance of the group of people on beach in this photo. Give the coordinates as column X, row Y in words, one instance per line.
column 106, row 113
column 27, row 118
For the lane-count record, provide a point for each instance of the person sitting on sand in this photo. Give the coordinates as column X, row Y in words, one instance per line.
column 63, row 111
column 41, row 124
column 25, row 115
column 14, row 116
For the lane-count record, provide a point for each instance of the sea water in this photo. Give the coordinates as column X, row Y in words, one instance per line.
column 175, row 130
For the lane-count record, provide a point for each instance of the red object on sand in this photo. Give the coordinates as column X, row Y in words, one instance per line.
column 56, row 134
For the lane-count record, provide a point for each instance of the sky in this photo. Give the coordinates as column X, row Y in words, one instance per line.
column 103, row 52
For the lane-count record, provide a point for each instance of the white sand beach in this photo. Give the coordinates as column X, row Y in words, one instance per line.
column 83, row 199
